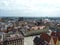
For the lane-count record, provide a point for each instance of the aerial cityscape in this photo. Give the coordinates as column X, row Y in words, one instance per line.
column 29, row 31
column 29, row 22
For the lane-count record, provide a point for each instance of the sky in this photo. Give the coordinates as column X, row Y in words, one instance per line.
column 30, row 8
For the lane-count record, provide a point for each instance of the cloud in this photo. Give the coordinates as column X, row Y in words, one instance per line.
column 30, row 4
column 31, row 7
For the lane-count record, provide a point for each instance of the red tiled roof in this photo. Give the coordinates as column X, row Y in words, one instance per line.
column 55, row 40
column 53, row 33
column 58, row 35
column 45, row 37
column 55, row 36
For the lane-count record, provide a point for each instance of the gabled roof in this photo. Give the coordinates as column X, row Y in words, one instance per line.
column 58, row 36
column 55, row 40
column 45, row 37
column 53, row 34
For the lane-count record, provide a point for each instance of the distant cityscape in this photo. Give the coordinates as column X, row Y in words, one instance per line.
column 14, row 30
